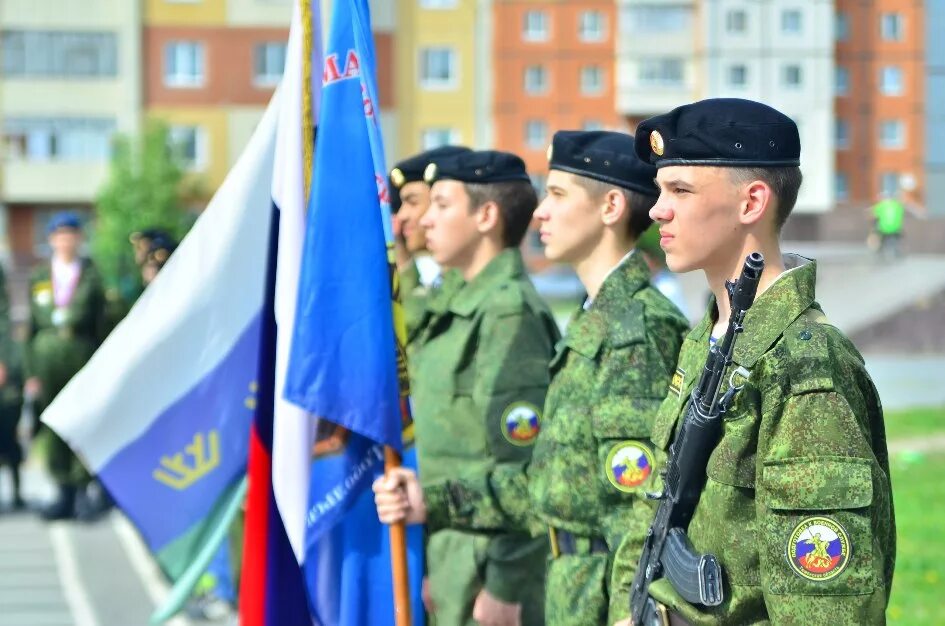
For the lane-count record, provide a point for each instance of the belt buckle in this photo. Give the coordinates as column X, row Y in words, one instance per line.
column 553, row 538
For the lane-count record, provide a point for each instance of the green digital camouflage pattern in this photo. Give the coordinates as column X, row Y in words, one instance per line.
column 804, row 442
column 610, row 373
column 413, row 297
column 480, row 354
column 56, row 351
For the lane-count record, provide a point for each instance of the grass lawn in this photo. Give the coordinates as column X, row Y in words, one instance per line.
column 914, row 422
column 918, row 595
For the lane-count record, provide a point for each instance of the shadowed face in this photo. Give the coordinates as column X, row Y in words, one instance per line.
column 65, row 242
column 415, row 200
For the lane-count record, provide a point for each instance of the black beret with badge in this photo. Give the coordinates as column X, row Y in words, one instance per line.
column 602, row 155
column 480, row 166
column 411, row 170
column 724, row 132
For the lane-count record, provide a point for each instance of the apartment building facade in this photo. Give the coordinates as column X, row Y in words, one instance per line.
column 880, row 86
column 934, row 187
column 70, row 78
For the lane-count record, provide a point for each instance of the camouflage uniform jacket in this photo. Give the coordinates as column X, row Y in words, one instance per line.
column 593, row 456
column 61, row 340
column 797, row 506
column 479, row 372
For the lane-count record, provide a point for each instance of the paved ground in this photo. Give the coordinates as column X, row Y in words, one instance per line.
column 73, row 574
column 853, row 286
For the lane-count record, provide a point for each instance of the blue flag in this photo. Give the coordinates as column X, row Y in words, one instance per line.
column 345, row 364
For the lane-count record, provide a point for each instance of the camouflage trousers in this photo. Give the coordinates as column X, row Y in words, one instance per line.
column 578, row 590
column 456, row 566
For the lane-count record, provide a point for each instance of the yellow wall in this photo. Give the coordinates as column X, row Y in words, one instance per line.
column 419, row 108
column 214, row 122
column 203, row 13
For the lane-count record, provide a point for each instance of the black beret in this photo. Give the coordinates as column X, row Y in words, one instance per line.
column 727, row 132
column 148, row 234
column 411, row 170
column 481, row 166
column 602, row 155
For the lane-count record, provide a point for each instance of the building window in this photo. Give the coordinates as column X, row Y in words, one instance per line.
column 268, row 62
column 661, row 72
column 536, row 80
column 74, row 139
column 841, row 186
column 435, row 137
column 592, row 125
column 891, row 26
column 438, row 68
column 791, row 21
column 736, row 22
column 842, row 81
column 890, row 80
column 737, row 76
column 592, row 80
column 189, row 144
column 792, row 76
column 842, row 134
column 437, row 4
column 536, row 134
column 38, row 53
column 540, row 183
column 892, row 134
column 889, row 183
column 591, row 26
column 535, row 26
column 183, row 64
column 841, row 27
column 647, row 19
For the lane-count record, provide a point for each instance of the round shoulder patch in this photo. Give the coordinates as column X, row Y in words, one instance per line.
column 818, row 549
column 521, row 422
column 628, row 465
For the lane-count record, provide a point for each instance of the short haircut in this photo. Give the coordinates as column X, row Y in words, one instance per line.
column 516, row 200
column 638, row 204
column 785, row 183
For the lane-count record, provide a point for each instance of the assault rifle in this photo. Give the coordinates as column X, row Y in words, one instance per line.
column 667, row 550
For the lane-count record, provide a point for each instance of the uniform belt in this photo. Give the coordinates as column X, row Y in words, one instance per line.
column 567, row 543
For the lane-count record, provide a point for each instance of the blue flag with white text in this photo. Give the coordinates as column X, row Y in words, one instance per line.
column 346, row 364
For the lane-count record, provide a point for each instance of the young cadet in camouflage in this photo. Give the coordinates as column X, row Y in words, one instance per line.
column 480, row 372
column 67, row 307
column 409, row 201
column 797, row 505
column 593, row 457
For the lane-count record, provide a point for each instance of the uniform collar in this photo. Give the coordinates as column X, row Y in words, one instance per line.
column 589, row 327
column 791, row 294
column 506, row 266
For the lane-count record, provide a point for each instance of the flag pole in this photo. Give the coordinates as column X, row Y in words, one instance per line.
column 398, row 554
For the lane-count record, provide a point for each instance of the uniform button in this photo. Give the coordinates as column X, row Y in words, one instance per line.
column 805, row 335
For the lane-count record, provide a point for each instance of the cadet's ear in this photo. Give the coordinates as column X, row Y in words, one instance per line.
column 613, row 208
column 757, row 201
column 488, row 217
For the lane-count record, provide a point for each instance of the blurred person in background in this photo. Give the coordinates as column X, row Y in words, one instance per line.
column 66, row 325
column 11, row 400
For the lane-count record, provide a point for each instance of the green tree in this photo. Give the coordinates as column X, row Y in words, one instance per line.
column 146, row 188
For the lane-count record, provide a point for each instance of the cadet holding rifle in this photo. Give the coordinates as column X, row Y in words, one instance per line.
column 793, row 503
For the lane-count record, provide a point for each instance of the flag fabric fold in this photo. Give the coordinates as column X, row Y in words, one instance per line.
column 346, row 362
column 161, row 411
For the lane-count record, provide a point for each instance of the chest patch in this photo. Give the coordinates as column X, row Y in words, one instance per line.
column 521, row 422
column 628, row 465
column 42, row 293
column 818, row 549
column 676, row 383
